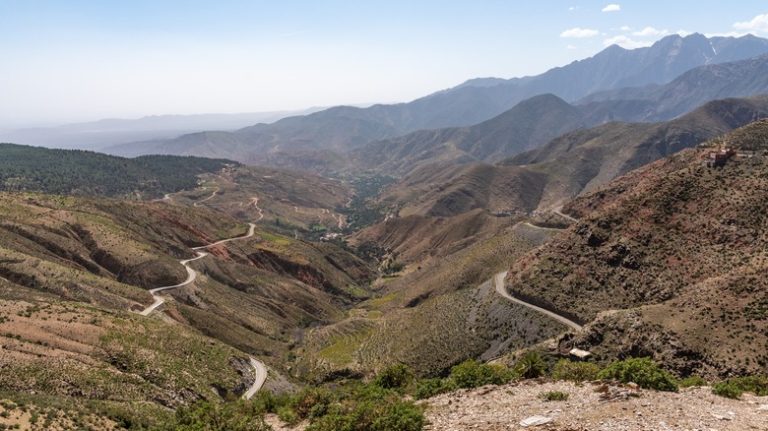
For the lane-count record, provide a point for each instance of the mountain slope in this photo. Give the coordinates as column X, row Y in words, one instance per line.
column 565, row 167
column 679, row 248
column 526, row 126
column 581, row 161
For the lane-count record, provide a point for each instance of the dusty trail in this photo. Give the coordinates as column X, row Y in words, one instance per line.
column 255, row 203
column 340, row 220
column 259, row 367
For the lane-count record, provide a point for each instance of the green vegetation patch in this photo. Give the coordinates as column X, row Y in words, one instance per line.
column 735, row 387
column 643, row 371
column 76, row 172
column 342, row 349
column 553, row 396
column 352, row 406
column 575, row 371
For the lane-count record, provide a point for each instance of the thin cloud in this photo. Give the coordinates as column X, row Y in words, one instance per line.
column 626, row 42
column 726, row 34
column 758, row 24
column 579, row 33
column 650, row 31
column 613, row 7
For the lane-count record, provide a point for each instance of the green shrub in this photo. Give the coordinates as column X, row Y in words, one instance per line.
column 642, row 371
column 758, row 385
column 530, row 366
column 575, row 371
column 267, row 402
column 553, row 396
column 727, row 390
column 311, row 402
column 387, row 414
column 288, row 415
column 428, row 388
column 692, row 381
column 400, row 416
column 472, row 374
column 733, row 388
column 209, row 416
column 396, row 376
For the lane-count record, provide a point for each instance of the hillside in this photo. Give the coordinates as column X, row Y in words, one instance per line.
column 434, row 313
column 567, row 166
column 75, row 172
column 289, row 200
column 74, row 271
column 529, row 124
column 341, row 129
column 676, row 250
column 581, row 161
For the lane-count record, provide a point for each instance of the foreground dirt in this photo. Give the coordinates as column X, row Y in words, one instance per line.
column 594, row 406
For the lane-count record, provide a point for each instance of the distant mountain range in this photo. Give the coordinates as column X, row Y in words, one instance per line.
column 536, row 121
column 736, row 79
column 95, row 135
column 342, row 129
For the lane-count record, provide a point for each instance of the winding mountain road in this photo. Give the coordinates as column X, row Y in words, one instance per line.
column 258, row 366
column 197, row 204
column 501, row 289
column 559, row 211
column 498, row 281
column 191, row 276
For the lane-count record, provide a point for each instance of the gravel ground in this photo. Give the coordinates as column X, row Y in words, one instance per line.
column 594, row 406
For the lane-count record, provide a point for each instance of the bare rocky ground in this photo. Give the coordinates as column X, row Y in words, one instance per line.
column 592, row 407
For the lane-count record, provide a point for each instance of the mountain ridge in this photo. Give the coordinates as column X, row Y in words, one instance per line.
column 344, row 128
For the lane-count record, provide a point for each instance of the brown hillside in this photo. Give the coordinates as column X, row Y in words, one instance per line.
column 681, row 245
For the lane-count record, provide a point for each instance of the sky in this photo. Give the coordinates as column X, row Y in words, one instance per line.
column 79, row 60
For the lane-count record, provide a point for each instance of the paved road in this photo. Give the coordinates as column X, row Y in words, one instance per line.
column 259, row 367
column 498, row 281
column 191, row 276
column 261, row 377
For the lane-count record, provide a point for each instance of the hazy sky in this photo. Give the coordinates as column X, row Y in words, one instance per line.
column 73, row 60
